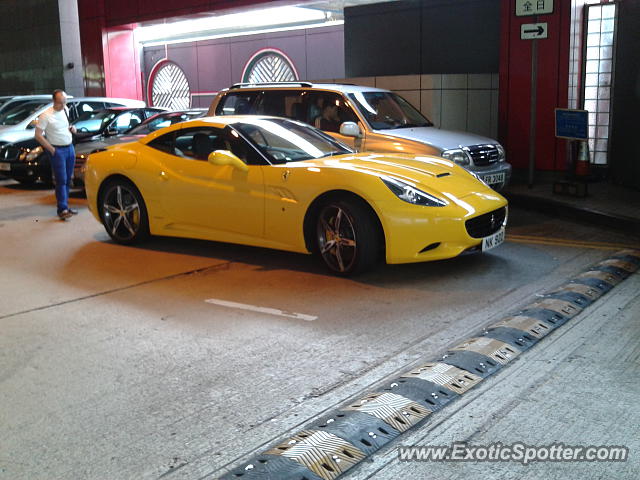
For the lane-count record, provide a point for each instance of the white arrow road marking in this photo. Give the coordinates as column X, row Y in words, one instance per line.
column 270, row 311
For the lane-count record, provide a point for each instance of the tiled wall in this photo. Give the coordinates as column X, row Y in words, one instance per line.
column 467, row 102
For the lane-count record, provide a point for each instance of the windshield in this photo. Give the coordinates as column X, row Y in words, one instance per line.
column 385, row 110
column 284, row 141
column 162, row 120
column 93, row 122
column 17, row 114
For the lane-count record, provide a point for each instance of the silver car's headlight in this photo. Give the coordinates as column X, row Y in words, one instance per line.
column 29, row 155
column 458, row 156
column 502, row 156
column 411, row 194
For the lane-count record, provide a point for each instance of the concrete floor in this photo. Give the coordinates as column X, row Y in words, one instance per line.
column 113, row 365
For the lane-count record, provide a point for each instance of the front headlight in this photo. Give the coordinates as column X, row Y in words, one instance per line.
column 411, row 194
column 29, row 155
column 502, row 156
column 458, row 156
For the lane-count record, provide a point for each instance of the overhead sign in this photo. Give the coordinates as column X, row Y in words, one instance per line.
column 531, row 31
column 533, row 7
column 572, row 124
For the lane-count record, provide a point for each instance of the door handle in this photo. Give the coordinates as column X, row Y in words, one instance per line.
column 164, row 176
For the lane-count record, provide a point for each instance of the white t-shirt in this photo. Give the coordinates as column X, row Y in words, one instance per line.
column 55, row 125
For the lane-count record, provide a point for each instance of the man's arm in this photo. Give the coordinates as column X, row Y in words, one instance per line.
column 41, row 139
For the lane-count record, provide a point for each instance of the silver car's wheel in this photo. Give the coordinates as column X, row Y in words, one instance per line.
column 124, row 215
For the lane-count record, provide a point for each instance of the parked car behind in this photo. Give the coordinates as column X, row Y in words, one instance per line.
column 7, row 103
column 27, row 162
column 368, row 119
column 19, row 122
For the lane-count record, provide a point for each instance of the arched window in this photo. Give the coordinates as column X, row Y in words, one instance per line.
column 269, row 66
column 169, row 87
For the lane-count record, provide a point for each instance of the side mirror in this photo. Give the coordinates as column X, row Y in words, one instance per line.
column 32, row 124
column 112, row 130
column 350, row 129
column 225, row 157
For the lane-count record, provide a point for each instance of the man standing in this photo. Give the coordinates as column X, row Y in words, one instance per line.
column 55, row 135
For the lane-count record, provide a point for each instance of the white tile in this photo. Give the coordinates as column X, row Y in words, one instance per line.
column 430, row 82
column 399, row 82
column 431, row 105
column 454, row 81
column 454, row 109
column 479, row 81
column 411, row 96
column 479, row 112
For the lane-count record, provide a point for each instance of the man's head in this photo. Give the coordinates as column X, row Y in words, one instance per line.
column 59, row 99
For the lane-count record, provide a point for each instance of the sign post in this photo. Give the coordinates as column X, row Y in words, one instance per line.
column 533, row 31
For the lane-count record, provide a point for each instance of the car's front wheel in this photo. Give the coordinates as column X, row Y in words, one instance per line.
column 347, row 237
column 123, row 212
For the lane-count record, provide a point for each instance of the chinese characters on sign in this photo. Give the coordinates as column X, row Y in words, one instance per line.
column 533, row 7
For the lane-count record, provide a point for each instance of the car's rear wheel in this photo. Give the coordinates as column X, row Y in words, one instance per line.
column 123, row 212
column 347, row 237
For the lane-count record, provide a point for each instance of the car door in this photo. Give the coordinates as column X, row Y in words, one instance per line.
column 222, row 202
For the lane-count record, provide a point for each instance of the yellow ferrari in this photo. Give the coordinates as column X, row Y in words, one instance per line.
column 277, row 183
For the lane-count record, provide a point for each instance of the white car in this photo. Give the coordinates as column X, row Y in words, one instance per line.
column 18, row 123
column 367, row 119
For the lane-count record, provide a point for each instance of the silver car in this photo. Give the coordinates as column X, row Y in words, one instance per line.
column 367, row 119
column 18, row 123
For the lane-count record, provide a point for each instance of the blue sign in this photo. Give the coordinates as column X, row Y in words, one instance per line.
column 572, row 124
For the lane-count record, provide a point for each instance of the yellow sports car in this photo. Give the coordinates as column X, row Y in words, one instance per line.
column 277, row 183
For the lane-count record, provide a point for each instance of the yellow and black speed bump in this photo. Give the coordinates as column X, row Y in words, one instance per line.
column 326, row 448
column 367, row 432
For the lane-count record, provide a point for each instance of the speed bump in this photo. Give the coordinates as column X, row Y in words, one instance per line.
column 399, row 412
column 328, row 447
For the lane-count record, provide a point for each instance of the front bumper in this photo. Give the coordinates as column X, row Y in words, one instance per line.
column 36, row 171
column 497, row 175
column 421, row 234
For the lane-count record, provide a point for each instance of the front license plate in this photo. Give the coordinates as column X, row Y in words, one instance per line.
column 5, row 167
column 495, row 178
column 493, row 241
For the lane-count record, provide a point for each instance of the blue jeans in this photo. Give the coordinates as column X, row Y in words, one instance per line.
column 62, row 162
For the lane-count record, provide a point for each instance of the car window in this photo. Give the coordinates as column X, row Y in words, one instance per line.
column 282, row 140
column 199, row 142
column 93, row 122
column 327, row 111
column 191, row 143
column 279, row 103
column 162, row 120
column 386, row 110
column 128, row 120
column 15, row 115
column 237, row 103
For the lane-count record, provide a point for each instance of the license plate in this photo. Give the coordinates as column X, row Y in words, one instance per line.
column 493, row 241
column 494, row 178
column 5, row 167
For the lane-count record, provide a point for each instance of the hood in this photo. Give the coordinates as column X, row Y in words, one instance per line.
column 428, row 173
column 89, row 147
column 437, row 138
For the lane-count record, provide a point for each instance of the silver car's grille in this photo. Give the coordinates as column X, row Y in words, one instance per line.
column 483, row 154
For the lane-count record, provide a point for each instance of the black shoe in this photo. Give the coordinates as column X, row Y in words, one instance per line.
column 65, row 214
column 72, row 211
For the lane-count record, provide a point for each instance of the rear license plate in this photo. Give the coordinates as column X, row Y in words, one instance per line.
column 5, row 167
column 494, row 178
column 493, row 241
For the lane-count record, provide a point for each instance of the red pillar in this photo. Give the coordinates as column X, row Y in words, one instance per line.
column 552, row 86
